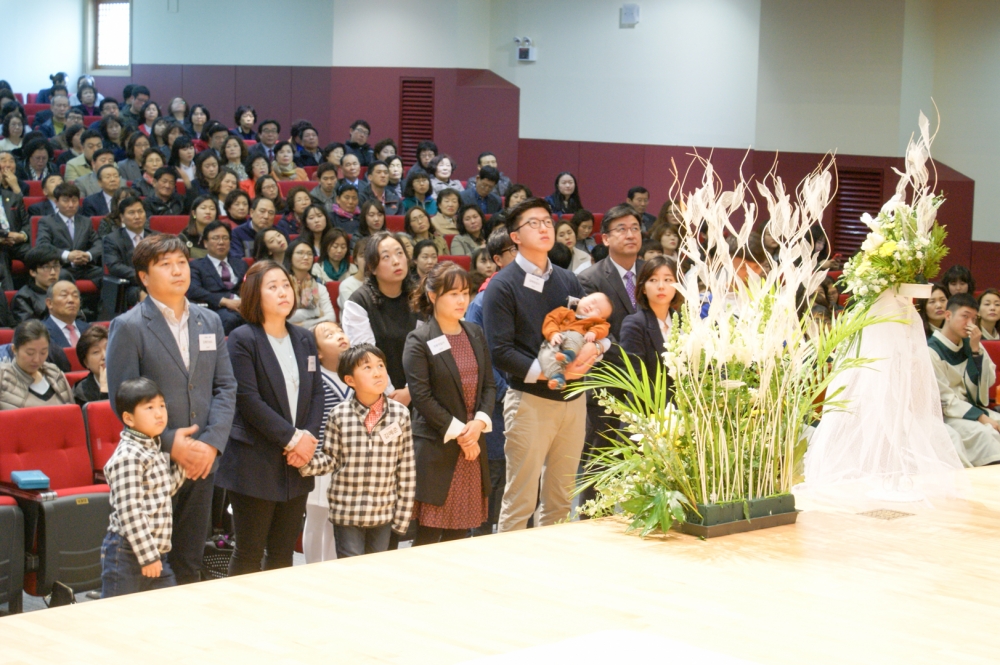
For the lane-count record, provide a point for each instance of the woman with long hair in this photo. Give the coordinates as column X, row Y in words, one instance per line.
column 565, row 200
column 417, row 224
column 643, row 333
column 334, row 266
column 204, row 211
column 314, row 300
column 471, row 231
column 182, row 154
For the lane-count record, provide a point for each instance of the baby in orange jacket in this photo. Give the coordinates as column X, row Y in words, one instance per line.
column 566, row 331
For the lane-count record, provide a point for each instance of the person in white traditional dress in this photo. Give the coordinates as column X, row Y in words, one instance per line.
column 318, row 543
column 964, row 373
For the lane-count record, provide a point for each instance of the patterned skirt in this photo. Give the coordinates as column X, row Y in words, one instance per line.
column 465, row 507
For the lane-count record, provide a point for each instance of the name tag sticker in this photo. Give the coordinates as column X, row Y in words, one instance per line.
column 438, row 344
column 534, row 282
column 312, row 363
column 206, row 342
column 391, row 433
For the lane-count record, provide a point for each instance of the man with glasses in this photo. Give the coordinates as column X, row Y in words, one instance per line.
column 120, row 244
column 268, row 132
column 357, row 144
column 215, row 280
column 544, row 430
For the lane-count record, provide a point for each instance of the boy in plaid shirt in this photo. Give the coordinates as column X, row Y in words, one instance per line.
column 142, row 479
column 368, row 446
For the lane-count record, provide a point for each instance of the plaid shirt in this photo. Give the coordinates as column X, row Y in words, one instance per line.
column 374, row 476
column 142, row 480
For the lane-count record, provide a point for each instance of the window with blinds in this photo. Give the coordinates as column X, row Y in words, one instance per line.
column 858, row 191
column 112, row 34
column 416, row 116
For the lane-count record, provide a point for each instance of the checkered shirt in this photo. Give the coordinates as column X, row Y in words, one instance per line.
column 142, row 480
column 374, row 481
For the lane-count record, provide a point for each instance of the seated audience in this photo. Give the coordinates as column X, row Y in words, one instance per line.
column 58, row 83
column 283, row 167
column 334, row 267
column 346, row 216
column 92, row 141
column 234, row 154
column 37, row 161
column 267, row 187
column 668, row 235
column 30, row 380
column 395, row 166
column 268, row 132
column 441, row 169
column 223, row 185
column 417, row 224
column 357, row 143
column 73, row 235
column 426, row 152
column 355, row 280
column 566, row 234
column 989, row 314
column 120, row 243
column 638, row 198
column 113, row 133
column 270, row 244
column 237, row 207
column 316, row 225
column 964, row 374
column 372, row 219
column 215, row 136
column 649, row 249
column 326, row 191
column 371, row 498
column 197, row 120
column 56, row 123
column 293, row 221
column 148, row 115
column 561, row 256
column 471, row 231
column 643, row 333
column 64, row 321
column 99, row 204
column 418, row 194
column 88, row 184
column 334, row 154
column 489, row 159
column 385, row 149
column 135, row 147
column 204, row 211
column 565, row 200
column 444, row 221
column 425, row 257
column 206, row 170
column 15, row 231
column 483, row 266
column 314, row 306
column 351, row 170
column 245, row 235
column 245, row 118
column 150, row 162
column 48, row 206
column 932, row 310
column 113, row 220
column 165, row 199
column 216, row 279
column 13, row 132
column 182, row 154
column 958, row 279
column 377, row 188
column 178, row 109
column 309, row 153
column 516, row 195
column 132, row 112
column 483, row 193
column 74, row 147
column 91, row 350
column 9, row 180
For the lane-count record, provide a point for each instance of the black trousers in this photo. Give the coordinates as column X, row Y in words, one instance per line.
column 192, row 526
column 261, row 525
column 427, row 535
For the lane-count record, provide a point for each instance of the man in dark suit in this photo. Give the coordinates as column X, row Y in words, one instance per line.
column 15, row 231
column 483, row 193
column 48, row 206
column 268, row 132
column 616, row 277
column 182, row 349
column 120, row 243
column 63, row 302
column 73, row 234
column 215, row 281
column 99, row 204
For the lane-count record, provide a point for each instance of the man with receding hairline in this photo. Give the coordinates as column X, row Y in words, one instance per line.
column 63, row 303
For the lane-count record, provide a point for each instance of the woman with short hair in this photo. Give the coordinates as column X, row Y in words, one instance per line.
column 30, row 380
column 283, row 167
column 91, row 350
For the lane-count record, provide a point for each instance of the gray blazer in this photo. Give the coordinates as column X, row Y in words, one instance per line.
column 140, row 344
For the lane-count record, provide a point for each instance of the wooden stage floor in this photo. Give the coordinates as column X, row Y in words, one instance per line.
column 834, row 588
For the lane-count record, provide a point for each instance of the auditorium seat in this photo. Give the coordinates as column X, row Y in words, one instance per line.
column 103, row 432
column 11, row 554
column 88, row 120
column 10, row 296
column 395, row 223
column 35, row 188
column 168, row 223
column 286, row 185
column 181, row 187
column 310, row 171
column 34, row 229
column 248, row 260
column 6, row 335
column 448, row 237
column 32, row 200
column 598, row 238
column 993, row 348
column 62, row 169
column 333, row 288
column 96, row 222
column 65, row 525
column 74, row 363
column 18, row 268
column 462, row 260
column 76, row 377
column 31, row 108
column 32, row 96
column 19, row 97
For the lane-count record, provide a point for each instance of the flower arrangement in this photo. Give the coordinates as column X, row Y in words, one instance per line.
column 905, row 244
column 745, row 377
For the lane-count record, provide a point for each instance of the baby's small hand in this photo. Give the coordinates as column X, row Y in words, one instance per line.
column 556, row 339
column 590, row 336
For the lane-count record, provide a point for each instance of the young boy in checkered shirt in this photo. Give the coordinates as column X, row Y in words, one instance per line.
column 368, row 446
column 142, row 479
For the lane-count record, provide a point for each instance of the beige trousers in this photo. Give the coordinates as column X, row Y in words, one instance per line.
column 544, row 443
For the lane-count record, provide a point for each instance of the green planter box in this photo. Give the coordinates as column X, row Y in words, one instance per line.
column 722, row 519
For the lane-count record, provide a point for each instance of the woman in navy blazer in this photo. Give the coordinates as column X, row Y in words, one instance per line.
column 279, row 410
column 642, row 333
column 448, row 369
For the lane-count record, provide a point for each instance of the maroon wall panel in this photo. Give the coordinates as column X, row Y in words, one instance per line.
column 369, row 93
column 985, row 265
column 597, row 191
column 310, row 98
column 215, row 87
column 267, row 89
column 484, row 116
column 538, row 162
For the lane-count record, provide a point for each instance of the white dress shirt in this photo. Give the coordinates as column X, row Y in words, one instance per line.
column 65, row 328
column 178, row 328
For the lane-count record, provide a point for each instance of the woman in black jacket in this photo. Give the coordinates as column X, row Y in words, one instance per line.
column 279, row 410
column 448, row 370
column 643, row 333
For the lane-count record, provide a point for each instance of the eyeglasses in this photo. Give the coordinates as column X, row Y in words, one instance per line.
column 537, row 223
column 625, row 230
column 512, row 248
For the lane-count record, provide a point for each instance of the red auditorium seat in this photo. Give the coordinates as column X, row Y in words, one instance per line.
column 96, row 222
column 32, row 200
column 181, row 188
column 168, row 223
column 62, row 169
column 76, row 377
column 395, row 223
column 65, row 524
column 17, row 267
column 103, row 432
column 248, row 260
column 88, row 120
column 993, row 348
column 11, row 554
column 333, row 288
column 10, row 296
column 310, row 171
column 835, row 274
column 598, row 238
column 462, row 260
column 6, row 335
column 74, row 362
column 34, row 229
column 103, row 324
column 19, row 97
column 32, row 96
column 35, row 188
column 286, row 185
column 31, row 108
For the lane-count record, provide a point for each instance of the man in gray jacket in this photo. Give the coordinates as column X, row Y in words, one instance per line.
column 183, row 349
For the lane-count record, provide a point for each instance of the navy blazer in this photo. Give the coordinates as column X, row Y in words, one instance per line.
column 254, row 462
column 42, row 209
column 493, row 201
column 95, row 205
column 206, row 284
column 641, row 338
column 56, row 335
